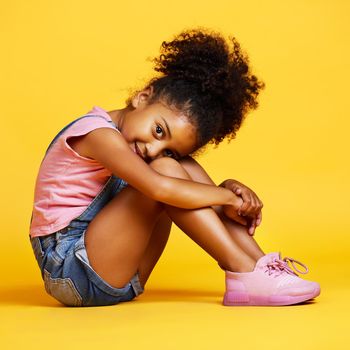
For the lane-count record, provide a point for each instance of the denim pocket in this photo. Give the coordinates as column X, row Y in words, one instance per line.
column 62, row 289
column 65, row 240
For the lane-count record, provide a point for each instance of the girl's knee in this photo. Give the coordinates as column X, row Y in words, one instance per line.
column 170, row 167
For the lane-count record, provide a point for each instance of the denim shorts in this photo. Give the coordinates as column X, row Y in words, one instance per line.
column 68, row 275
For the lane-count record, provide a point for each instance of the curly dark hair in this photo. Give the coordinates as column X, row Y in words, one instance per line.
column 209, row 83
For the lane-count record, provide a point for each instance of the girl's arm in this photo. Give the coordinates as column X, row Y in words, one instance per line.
column 109, row 148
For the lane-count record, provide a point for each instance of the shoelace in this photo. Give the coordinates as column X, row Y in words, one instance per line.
column 279, row 266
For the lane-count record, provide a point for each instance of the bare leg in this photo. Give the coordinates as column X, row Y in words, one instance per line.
column 238, row 232
column 206, row 228
column 155, row 248
column 161, row 231
column 241, row 236
column 117, row 238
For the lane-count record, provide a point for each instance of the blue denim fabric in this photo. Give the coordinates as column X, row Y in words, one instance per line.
column 64, row 264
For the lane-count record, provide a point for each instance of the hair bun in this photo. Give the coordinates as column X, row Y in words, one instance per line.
column 199, row 57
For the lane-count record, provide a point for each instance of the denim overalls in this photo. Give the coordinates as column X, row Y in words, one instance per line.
column 63, row 260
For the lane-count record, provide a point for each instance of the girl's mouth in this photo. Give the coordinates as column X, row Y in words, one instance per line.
column 137, row 150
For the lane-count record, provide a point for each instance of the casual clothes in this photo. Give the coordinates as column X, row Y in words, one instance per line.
column 67, row 182
column 70, row 191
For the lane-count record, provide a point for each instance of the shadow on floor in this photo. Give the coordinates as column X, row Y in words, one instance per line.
column 193, row 296
column 180, row 295
column 36, row 296
column 27, row 295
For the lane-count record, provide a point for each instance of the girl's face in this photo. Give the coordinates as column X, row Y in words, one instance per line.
column 154, row 131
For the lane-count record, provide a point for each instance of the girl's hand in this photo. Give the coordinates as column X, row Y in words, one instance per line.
column 231, row 211
column 252, row 205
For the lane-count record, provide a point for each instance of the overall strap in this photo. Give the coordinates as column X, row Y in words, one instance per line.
column 64, row 129
column 74, row 121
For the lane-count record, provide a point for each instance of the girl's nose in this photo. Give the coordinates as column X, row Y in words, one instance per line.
column 153, row 151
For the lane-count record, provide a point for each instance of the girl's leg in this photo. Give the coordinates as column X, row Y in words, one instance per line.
column 162, row 229
column 238, row 232
column 155, row 247
column 117, row 238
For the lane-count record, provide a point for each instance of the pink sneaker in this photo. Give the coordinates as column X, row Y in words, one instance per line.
column 272, row 282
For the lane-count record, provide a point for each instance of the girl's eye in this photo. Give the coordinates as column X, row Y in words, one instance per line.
column 169, row 153
column 159, row 129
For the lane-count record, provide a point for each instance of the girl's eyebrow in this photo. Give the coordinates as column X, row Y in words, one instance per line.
column 167, row 126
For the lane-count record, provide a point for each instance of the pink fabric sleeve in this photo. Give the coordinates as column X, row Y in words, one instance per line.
column 80, row 128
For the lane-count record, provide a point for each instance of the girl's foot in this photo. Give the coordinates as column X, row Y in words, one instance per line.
column 272, row 282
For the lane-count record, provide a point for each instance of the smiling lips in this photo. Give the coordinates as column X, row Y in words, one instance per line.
column 138, row 151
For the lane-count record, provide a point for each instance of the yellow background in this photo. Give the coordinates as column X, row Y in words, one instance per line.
column 59, row 58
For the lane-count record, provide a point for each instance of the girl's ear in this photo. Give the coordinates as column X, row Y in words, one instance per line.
column 142, row 97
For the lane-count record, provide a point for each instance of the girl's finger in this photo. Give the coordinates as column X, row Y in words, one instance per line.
column 251, row 206
column 246, row 203
column 252, row 228
column 241, row 221
column 259, row 218
column 256, row 204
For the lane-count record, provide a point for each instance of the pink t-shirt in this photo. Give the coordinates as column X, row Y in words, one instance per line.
column 67, row 182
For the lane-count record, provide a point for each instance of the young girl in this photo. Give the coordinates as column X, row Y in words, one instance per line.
column 112, row 183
